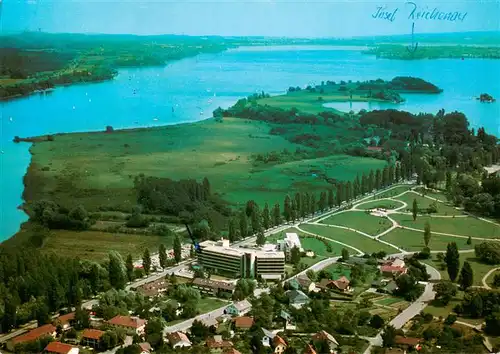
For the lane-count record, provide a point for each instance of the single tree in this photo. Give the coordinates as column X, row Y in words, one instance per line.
column 232, row 230
column 397, row 173
column 378, row 179
column 345, row 254
column 469, row 240
column 129, row 265
column 261, row 238
column 452, row 260
column 322, row 201
column 277, row 214
column 448, row 181
column 295, row 255
column 298, row 204
column 339, row 194
column 177, row 249
column 330, row 198
column 371, row 181
column 388, row 336
column 466, row 276
column 287, row 207
column 445, row 291
column 206, row 188
column 116, row 270
column 415, row 209
column 162, row 256
column 146, row 261
column 243, row 224
column 312, row 204
column 256, row 219
column 266, row 217
column 427, row 233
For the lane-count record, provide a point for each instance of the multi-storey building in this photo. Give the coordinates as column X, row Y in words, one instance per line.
column 220, row 258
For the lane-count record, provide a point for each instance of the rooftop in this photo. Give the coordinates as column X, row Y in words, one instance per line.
column 58, row 347
column 216, row 342
column 176, row 337
column 63, row 319
column 219, row 247
column 34, row 334
column 277, row 340
column 214, row 284
column 242, row 305
column 407, row 340
column 243, row 322
column 127, row 321
column 324, row 335
column 92, row 333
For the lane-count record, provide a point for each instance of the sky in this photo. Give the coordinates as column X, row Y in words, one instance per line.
column 291, row 18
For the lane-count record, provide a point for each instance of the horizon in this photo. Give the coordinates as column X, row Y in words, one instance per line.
column 251, row 18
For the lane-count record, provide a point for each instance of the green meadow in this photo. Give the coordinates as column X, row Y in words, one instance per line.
column 97, row 169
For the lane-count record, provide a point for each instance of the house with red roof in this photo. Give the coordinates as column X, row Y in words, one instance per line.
column 328, row 338
column 279, row 345
column 145, row 348
column 178, row 340
column 393, row 268
column 309, row 349
column 65, row 321
column 407, row 342
column 60, row 348
column 135, row 324
column 47, row 330
column 216, row 342
column 91, row 337
column 243, row 322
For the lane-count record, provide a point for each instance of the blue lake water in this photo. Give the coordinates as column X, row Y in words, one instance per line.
column 190, row 89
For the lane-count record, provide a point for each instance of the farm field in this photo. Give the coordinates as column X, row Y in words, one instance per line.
column 383, row 203
column 352, row 238
column 97, row 169
column 359, row 220
column 424, row 203
column 414, row 240
column 95, row 245
column 463, row 226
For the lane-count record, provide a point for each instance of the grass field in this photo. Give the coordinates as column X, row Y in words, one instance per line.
column 338, row 270
column 308, row 243
column 393, row 192
column 352, row 238
column 489, row 280
column 208, row 304
column 414, row 241
column 424, row 203
column 359, row 220
column 430, row 193
column 479, row 269
column 468, row 226
column 386, row 204
column 95, row 245
column 97, row 169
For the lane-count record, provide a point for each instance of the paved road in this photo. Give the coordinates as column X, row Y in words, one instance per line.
column 411, row 311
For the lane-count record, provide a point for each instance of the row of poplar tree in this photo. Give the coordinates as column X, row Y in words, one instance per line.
column 251, row 220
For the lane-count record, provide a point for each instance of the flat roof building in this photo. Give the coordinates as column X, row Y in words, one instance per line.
column 221, row 258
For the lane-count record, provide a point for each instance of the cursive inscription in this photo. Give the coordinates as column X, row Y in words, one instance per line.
column 383, row 13
column 416, row 13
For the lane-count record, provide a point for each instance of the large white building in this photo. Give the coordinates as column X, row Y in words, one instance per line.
column 290, row 241
column 220, row 258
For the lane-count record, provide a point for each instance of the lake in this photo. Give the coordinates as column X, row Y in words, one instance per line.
column 190, row 89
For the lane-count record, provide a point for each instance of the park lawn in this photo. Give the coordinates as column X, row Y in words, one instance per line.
column 351, row 238
column 383, row 203
column 414, row 240
column 98, row 169
column 95, row 245
column 207, row 304
column 489, row 280
column 479, row 269
column 463, row 226
column 424, row 203
column 308, row 242
column 359, row 220
column 393, row 192
column 433, row 194
column 339, row 270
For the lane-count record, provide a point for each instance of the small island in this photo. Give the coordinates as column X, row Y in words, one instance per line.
column 371, row 90
column 484, row 97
